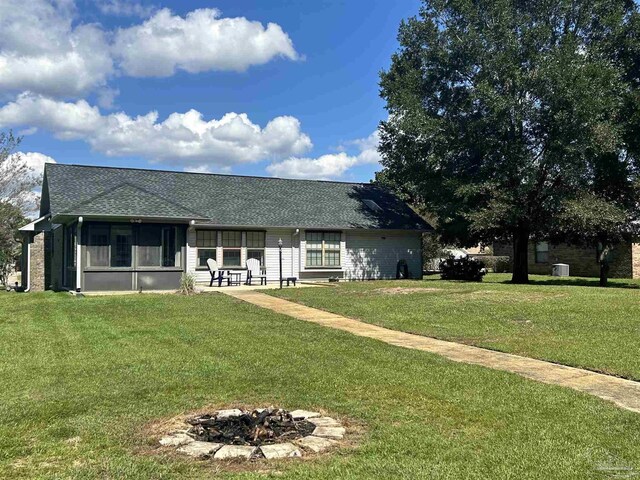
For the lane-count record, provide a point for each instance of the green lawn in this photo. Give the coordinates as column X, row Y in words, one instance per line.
column 571, row 321
column 81, row 377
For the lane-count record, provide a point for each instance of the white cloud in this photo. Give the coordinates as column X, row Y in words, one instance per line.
column 41, row 50
column 35, row 161
column 45, row 49
column 199, row 42
column 124, row 8
column 13, row 175
column 331, row 166
column 107, row 96
column 325, row 167
column 182, row 139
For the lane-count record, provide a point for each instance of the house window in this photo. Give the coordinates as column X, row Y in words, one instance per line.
column 542, row 252
column 323, row 249
column 121, row 245
column 98, row 246
column 255, row 246
column 206, row 243
column 231, row 247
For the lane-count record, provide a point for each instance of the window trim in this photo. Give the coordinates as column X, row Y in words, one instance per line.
column 231, row 249
column 208, row 247
column 262, row 249
column 323, row 250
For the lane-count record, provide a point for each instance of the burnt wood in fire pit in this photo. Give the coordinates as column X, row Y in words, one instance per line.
column 257, row 427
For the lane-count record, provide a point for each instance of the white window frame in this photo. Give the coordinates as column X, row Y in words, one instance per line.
column 257, row 249
column 214, row 248
column 323, row 250
column 232, row 248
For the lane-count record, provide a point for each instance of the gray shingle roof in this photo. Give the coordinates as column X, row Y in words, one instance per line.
column 225, row 200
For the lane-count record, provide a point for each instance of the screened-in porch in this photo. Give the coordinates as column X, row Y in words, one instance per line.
column 133, row 256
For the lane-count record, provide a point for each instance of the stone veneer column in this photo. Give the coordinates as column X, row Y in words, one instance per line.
column 635, row 259
column 36, row 267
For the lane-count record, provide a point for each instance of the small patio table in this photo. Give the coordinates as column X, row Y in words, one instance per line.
column 234, row 277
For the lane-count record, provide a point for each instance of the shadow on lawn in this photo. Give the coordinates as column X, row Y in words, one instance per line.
column 554, row 282
column 582, row 282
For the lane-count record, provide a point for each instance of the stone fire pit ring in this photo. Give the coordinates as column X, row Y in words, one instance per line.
column 267, row 433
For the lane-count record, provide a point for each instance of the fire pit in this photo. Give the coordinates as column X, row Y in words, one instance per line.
column 252, row 434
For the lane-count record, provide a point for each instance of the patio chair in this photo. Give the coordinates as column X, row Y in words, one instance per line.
column 215, row 272
column 254, row 271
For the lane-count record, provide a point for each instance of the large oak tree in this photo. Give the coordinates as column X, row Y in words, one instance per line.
column 498, row 110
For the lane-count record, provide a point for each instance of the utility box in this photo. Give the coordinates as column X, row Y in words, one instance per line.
column 560, row 270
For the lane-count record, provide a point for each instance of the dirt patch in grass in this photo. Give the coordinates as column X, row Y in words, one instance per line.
column 407, row 290
column 504, row 296
column 497, row 296
column 150, row 434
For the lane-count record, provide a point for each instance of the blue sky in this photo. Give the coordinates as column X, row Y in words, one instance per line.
column 308, row 85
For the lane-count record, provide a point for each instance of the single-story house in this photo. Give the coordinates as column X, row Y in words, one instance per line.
column 107, row 229
column 624, row 259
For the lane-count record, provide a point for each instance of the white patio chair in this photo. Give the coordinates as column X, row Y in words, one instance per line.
column 215, row 272
column 254, row 271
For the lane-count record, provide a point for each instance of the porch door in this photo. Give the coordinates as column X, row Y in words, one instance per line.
column 69, row 268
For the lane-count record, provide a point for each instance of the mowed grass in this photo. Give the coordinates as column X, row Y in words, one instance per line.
column 571, row 321
column 80, row 378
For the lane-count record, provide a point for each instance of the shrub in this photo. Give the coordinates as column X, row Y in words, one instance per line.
column 496, row 263
column 187, row 284
column 466, row 268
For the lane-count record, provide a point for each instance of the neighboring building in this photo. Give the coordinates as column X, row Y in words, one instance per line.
column 103, row 228
column 582, row 261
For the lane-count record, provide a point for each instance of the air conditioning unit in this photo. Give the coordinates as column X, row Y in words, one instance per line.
column 560, row 270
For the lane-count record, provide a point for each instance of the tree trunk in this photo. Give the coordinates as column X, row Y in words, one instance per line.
column 520, row 257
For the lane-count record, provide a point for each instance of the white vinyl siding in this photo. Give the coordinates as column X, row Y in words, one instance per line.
column 375, row 254
column 271, row 254
column 289, row 251
column 364, row 254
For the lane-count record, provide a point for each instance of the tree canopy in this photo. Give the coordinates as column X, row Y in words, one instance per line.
column 17, row 182
column 17, row 179
column 504, row 114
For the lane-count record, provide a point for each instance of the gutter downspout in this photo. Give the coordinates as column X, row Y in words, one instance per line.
column 28, row 264
column 296, row 233
column 190, row 228
column 78, row 255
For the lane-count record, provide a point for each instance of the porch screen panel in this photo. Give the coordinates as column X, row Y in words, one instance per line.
column 121, row 244
column 169, row 247
column 149, row 246
column 98, row 246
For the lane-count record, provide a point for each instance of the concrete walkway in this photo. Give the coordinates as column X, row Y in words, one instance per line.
column 624, row 393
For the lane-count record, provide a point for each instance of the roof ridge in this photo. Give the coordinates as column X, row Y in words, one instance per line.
column 208, row 173
column 135, row 187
